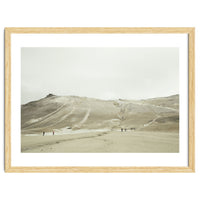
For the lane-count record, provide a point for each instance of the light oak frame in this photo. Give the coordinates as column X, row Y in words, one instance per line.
column 100, row 30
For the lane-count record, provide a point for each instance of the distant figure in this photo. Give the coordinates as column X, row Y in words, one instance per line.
column 125, row 129
column 121, row 129
column 43, row 133
column 53, row 132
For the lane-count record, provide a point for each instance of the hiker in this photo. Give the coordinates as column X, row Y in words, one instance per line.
column 53, row 132
column 125, row 129
column 43, row 133
column 121, row 129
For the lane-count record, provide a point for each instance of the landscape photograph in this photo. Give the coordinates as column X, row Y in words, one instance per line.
column 99, row 100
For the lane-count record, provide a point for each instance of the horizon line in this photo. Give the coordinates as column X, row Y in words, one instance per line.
column 51, row 94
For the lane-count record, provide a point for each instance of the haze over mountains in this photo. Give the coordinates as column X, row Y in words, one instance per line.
column 64, row 114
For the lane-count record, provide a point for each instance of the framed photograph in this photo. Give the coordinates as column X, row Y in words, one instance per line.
column 99, row 99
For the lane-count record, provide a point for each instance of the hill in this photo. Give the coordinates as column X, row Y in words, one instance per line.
column 66, row 113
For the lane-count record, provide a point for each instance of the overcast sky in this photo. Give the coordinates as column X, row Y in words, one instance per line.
column 105, row 73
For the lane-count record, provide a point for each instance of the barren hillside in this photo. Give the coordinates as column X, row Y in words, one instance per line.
column 70, row 113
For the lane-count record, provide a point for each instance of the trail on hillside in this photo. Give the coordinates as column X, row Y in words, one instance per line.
column 156, row 106
column 44, row 118
column 84, row 119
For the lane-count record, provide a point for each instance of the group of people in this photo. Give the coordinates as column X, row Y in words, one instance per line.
column 124, row 129
column 43, row 133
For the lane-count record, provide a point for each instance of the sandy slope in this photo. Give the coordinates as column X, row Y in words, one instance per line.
column 84, row 124
column 104, row 142
column 58, row 112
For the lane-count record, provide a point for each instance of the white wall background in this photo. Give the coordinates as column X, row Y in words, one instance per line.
column 91, row 13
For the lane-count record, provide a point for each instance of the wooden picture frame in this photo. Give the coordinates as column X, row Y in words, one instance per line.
column 191, row 87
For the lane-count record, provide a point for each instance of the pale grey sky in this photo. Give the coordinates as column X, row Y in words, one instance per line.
column 105, row 73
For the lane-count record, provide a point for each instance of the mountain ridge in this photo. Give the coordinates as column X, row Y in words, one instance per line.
column 62, row 113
